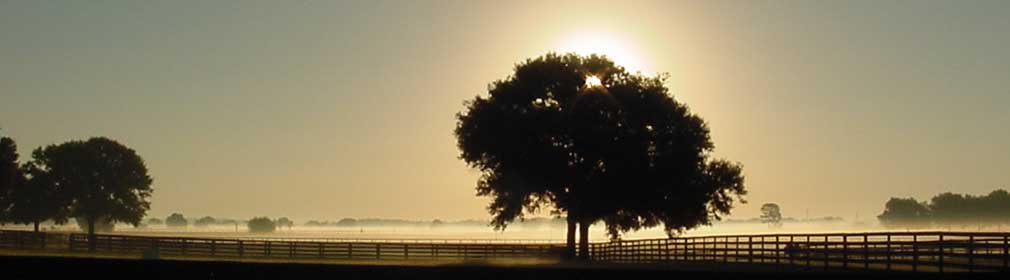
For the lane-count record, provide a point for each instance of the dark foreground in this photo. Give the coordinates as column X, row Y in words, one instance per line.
column 37, row 267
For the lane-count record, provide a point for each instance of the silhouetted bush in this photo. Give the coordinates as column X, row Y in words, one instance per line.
column 205, row 221
column 262, row 225
column 176, row 220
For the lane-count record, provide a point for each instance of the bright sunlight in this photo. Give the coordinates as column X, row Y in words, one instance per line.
column 614, row 47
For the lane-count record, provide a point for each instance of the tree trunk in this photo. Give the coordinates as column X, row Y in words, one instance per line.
column 570, row 234
column 91, row 234
column 584, row 240
column 36, row 225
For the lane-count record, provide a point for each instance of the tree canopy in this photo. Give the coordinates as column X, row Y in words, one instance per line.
column 623, row 151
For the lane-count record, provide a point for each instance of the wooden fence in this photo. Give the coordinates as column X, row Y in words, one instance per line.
column 908, row 251
column 250, row 248
column 905, row 251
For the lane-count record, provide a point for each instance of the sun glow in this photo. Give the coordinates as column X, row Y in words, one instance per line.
column 593, row 81
column 586, row 43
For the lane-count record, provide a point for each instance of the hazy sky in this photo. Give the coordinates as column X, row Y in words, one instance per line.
column 327, row 109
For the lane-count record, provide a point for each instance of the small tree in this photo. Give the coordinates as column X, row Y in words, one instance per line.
column 771, row 214
column 155, row 221
column 176, row 220
column 285, row 222
column 205, row 221
column 261, row 225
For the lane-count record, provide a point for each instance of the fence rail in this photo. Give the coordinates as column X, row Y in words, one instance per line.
column 252, row 248
column 910, row 251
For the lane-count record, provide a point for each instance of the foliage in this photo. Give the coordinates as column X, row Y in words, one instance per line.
column 176, row 220
column 261, row 225
column 155, row 221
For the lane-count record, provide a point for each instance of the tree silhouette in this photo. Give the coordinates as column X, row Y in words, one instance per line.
column 106, row 180
column 623, row 151
column 771, row 214
column 285, row 222
column 905, row 212
column 205, row 221
column 176, row 220
column 11, row 176
column 261, row 225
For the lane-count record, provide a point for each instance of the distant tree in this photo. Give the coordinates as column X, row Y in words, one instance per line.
column 771, row 214
column 155, row 221
column 176, row 220
column 261, row 225
column 205, row 221
column 314, row 223
column 347, row 222
column 437, row 223
column 622, row 151
column 106, row 180
column 905, row 213
column 285, row 222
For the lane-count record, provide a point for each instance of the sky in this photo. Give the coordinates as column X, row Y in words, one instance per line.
column 331, row 109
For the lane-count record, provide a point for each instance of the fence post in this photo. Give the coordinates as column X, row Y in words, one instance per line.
column 940, row 246
column 750, row 249
column 845, row 251
column 1005, row 253
column 808, row 251
column 213, row 247
column 241, row 249
column 350, row 248
column 321, row 254
column 888, row 252
column 866, row 251
column 824, row 253
column 378, row 250
column 185, row 246
column 406, row 251
column 971, row 253
column 915, row 252
column 778, row 256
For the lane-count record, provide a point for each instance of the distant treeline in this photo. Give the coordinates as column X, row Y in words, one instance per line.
column 948, row 209
column 825, row 219
column 351, row 222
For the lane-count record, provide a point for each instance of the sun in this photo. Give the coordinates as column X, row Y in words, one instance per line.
column 593, row 81
column 597, row 42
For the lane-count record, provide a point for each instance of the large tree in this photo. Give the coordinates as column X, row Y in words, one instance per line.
column 618, row 148
column 106, row 180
